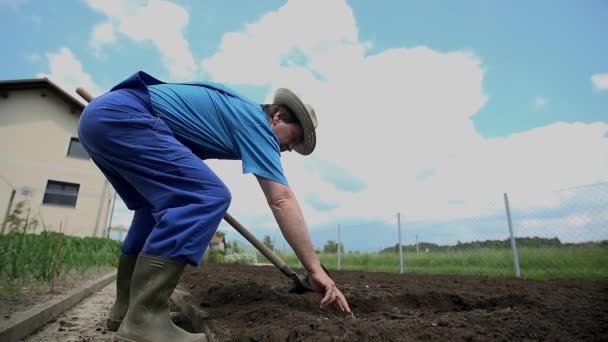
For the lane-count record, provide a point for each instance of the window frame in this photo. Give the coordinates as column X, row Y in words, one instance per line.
column 71, row 204
column 68, row 148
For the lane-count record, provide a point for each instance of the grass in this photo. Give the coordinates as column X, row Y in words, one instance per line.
column 580, row 263
column 48, row 255
column 9, row 290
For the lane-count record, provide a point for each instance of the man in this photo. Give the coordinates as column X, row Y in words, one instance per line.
column 150, row 138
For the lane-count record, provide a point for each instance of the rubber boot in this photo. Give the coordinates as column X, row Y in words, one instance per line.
column 148, row 319
column 126, row 264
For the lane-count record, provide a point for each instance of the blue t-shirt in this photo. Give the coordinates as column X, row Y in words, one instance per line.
column 220, row 125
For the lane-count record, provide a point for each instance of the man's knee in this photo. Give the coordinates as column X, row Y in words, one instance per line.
column 224, row 197
column 215, row 198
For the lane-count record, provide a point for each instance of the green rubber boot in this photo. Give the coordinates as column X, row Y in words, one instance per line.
column 126, row 264
column 148, row 319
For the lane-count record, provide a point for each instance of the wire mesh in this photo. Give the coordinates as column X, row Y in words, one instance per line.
column 557, row 235
column 563, row 234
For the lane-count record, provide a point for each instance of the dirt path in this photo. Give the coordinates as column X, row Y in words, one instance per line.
column 83, row 322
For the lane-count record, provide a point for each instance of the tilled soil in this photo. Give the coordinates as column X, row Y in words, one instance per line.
column 252, row 303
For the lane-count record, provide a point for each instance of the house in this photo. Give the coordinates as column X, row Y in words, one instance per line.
column 43, row 164
column 216, row 240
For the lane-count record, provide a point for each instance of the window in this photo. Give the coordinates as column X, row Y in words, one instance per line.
column 76, row 150
column 61, row 193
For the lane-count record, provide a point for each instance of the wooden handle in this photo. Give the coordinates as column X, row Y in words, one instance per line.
column 84, row 94
column 255, row 242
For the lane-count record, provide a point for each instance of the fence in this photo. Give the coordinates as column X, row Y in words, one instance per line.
column 555, row 235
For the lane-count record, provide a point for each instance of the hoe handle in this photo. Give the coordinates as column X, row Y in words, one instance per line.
column 300, row 284
column 268, row 253
column 84, row 94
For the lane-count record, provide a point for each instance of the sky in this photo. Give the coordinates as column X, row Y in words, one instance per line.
column 429, row 110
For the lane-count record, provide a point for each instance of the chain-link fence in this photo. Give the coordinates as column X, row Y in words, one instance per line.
column 567, row 236
column 559, row 234
column 552, row 235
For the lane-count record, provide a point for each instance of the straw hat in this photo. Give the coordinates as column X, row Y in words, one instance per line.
column 305, row 115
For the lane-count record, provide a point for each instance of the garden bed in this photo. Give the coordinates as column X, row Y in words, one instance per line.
column 252, row 303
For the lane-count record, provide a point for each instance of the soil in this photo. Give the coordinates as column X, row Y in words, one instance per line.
column 252, row 303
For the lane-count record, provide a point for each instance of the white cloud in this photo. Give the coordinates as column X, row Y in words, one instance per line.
column 600, row 82
column 103, row 34
column 573, row 228
column 574, row 221
column 391, row 116
column 66, row 71
column 319, row 29
column 13, row 4
column 157, row 21
column 539, row 102
column 36, row 19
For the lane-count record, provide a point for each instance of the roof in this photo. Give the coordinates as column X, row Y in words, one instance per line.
column 34, row 83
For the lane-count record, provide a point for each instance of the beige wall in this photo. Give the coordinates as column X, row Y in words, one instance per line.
column 35, row 132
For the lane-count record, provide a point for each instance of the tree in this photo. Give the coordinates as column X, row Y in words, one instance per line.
column 268, row 242
column 234, row 247
column 331, row 247
column 119, row 227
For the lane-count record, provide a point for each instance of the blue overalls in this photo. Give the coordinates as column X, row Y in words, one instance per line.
column 178, row 201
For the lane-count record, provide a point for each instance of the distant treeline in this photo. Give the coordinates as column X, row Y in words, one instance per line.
column 496, row 244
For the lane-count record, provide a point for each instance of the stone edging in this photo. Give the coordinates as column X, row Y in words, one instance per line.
column 24, row 323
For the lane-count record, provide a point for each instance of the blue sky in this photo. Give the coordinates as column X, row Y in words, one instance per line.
column 428, row 108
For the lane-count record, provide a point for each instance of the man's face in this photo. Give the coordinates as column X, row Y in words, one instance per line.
column 288, row 134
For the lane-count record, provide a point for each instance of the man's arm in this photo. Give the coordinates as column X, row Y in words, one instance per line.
column 290, row 219
column 289, row 216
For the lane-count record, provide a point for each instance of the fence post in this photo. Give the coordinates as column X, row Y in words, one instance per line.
column 339, row 249
column 111, row 215
column 401, row 263
column 8, row 211
column 513, row 244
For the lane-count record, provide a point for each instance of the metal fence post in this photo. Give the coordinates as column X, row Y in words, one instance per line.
column 8, row 210
column 401, row 264
column 111, row 215
column 513, row 244
column 339, row 249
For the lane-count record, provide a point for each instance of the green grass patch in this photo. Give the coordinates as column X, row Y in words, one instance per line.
column 9, row 290
column 44, row 256
column 575, row 263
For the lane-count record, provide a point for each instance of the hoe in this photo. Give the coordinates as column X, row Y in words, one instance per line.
column 180, row 298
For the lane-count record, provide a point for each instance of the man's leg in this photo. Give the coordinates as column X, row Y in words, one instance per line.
column 142, row 224
column 187, row 199
column 188, row 205
column 140, row 228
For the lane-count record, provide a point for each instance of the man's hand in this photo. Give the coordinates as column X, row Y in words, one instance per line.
column 289, row 216
column 322, row 283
